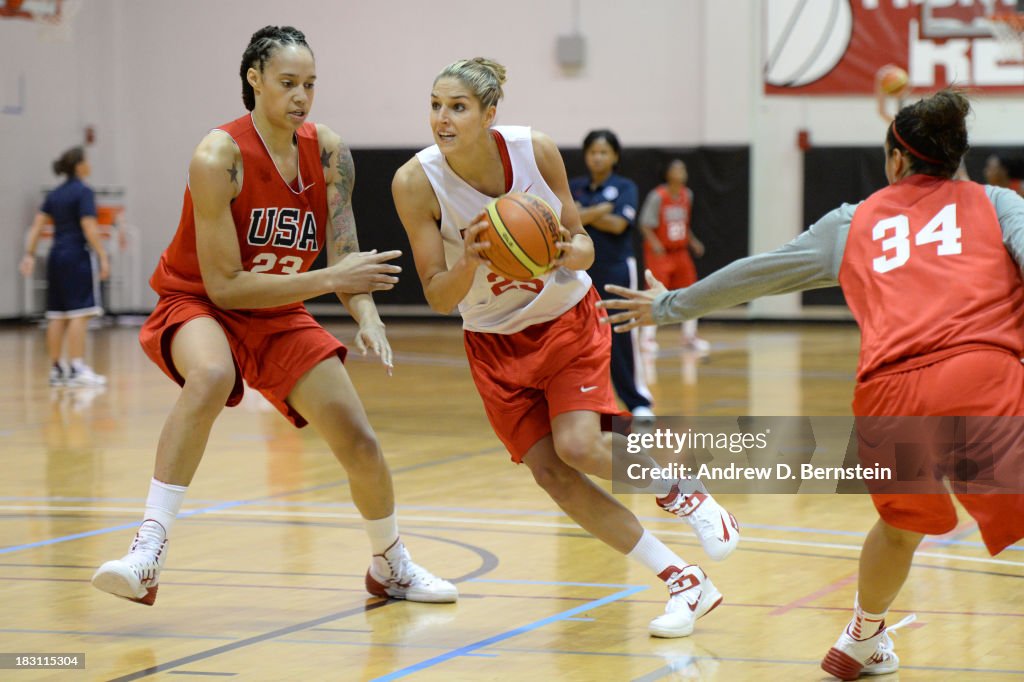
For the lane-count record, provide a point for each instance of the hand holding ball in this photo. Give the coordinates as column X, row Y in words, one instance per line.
column 522, row 232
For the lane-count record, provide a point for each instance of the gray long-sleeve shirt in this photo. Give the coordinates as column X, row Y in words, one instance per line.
column 811, row 261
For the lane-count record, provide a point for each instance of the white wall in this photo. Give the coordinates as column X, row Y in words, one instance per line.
column 376, row 62
column 153, row 77
column 49, row 91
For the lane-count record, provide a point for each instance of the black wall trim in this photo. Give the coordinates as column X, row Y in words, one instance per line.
column 719, row 178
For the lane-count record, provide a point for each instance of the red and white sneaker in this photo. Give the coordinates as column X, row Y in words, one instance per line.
column 850, row 658
column 136, row 575
column 393, row 574
column 691, row 595
column 716, row 528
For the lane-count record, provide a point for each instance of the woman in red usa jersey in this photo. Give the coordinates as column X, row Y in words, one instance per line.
column 931, row 268
column 666, row 220
column 266, row 192
column 537, row 352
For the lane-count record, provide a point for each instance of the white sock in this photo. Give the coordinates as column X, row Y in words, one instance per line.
column 690, row 329
column 865, row 625
column 77, row 364
column 164, row 503
column 382, row 533
column 652, row 553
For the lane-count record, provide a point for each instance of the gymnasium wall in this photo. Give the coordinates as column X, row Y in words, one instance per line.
column 152, row 77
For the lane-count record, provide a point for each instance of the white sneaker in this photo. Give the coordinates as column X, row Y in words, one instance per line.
column 393, row 574
column 691, row 595
column 715, row 527
column 82, row 375
column 643, row 415
column 696, row 344
column 850, row 658
column 57, row 375
column 136, row 575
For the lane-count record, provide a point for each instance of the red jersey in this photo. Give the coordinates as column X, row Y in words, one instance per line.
column 925, row 270
column 673, row 229
column 281, row 228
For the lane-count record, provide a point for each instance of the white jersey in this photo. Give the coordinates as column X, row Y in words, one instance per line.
column 495, row 304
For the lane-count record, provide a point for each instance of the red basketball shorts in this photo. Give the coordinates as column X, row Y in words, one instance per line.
column 528, row 378
column 674, row 269
column 981, row 382
column 271, row 351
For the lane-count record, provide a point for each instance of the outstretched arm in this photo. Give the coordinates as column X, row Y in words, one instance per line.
column 810, row 261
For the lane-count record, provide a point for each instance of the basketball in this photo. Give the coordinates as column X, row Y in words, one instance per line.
column 892, row 79
column 522, row 234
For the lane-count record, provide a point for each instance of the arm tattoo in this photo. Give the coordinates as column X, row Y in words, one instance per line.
column 325, row 159
column 233, row 172
column 343, row 223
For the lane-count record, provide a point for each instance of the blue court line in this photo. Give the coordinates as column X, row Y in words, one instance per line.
column 271, row 501
column 114, row 529
column 67, row 538
column 239, row 503
column 469, row 648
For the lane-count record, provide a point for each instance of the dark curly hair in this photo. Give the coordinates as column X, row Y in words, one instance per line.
column 261, row 47
column 933, row 131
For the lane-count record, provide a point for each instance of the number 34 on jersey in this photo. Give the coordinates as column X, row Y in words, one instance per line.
column 894, row 235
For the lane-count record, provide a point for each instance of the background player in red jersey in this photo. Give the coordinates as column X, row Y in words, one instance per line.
column 927, row 348
column 666, row 220
column 261, row 192
column 538, row 355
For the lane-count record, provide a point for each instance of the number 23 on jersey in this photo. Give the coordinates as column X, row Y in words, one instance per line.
column 894, row 234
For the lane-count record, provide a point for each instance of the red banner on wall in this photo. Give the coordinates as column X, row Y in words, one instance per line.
column 831, row 47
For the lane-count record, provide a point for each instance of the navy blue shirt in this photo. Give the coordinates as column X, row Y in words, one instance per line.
column 67, row 205
column 622, row 192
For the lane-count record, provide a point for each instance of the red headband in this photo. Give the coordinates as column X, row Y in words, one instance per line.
column 910, row 149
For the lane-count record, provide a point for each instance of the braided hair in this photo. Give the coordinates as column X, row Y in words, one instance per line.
column 262, row 46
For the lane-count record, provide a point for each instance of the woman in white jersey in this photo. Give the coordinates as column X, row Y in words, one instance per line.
column 536, row 348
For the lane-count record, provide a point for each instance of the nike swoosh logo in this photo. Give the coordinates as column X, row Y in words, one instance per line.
column 587, row 389
column 693, row 606
column 527, row 188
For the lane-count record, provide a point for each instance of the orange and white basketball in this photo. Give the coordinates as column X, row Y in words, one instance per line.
column 522, row 236
column 892, row 79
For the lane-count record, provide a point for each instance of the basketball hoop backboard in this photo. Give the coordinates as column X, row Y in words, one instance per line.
column 963, row 18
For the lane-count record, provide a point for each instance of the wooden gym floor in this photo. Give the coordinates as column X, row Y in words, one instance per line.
column 265, row 572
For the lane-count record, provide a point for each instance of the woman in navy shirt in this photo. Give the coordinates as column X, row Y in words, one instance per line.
column 72, row 294
column 607, row 204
